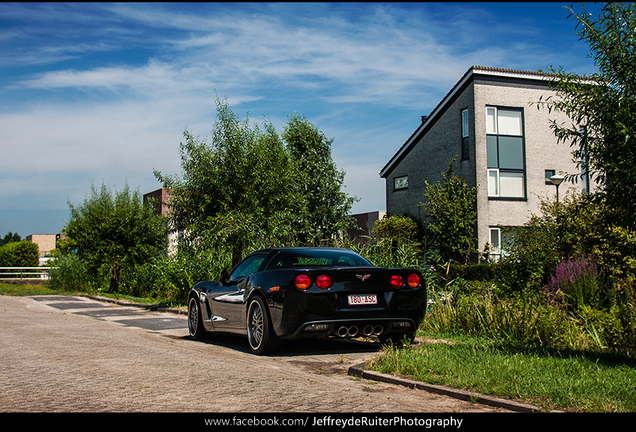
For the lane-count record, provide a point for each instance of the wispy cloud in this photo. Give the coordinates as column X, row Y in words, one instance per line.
column 382, row 55
column 96, row 92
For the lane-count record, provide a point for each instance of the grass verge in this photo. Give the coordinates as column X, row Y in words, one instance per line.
column 26, row 289
column 569, row 380
column 42, row 289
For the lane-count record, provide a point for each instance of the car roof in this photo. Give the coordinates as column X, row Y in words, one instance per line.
column 301, row 248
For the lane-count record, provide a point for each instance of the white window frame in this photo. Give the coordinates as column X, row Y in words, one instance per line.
column 493, row 127
column 495, row 247
column 401, row 182
column 493, row 186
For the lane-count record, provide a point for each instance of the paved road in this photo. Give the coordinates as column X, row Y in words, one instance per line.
column 75, row 354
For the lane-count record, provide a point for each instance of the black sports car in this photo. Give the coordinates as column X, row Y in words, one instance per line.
column 292, row 293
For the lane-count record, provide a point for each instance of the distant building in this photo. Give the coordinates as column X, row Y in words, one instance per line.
column 364, row 224
column 503, row 144
column 45, row 242
column 160, row 200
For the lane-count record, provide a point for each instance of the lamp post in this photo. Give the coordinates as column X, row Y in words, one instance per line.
column 556, row 180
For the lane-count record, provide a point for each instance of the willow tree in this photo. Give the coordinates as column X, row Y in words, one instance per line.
column 245, row 187
column 602, row 107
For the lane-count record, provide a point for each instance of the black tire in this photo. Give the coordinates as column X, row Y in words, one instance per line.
column 260, row 335
column 195, row 322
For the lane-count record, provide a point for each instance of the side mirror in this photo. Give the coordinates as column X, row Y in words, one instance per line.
column 224, row 276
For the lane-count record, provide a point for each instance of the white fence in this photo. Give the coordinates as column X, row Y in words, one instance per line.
column 24, row 273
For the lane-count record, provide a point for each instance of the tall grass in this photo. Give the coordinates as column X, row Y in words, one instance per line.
column 524, row 320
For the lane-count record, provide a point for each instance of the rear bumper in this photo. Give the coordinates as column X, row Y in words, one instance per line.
column 350, row 328
column 298, row 314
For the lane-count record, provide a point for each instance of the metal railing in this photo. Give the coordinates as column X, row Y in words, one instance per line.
column 25, row 273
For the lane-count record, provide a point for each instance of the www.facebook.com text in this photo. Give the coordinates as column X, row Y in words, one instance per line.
column 341, row 422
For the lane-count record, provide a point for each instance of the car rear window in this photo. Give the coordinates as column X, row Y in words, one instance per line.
column 291, row 259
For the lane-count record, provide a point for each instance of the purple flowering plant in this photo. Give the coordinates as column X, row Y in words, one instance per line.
column 576, row 279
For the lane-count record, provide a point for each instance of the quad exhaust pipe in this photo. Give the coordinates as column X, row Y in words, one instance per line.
column 352, row 331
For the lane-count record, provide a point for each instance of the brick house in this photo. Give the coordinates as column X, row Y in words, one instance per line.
column 503, row 145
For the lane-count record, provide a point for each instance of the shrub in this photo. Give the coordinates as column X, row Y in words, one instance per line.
column 474, row 272
column 385, row 252
column 170, row 277
column 19, row 254
column 578, row 279
column 604, row 326
column 401, row 228
column 70, row 274
column 522, row 320
column 451, row 206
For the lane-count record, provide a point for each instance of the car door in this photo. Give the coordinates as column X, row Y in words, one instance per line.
column 227, row 305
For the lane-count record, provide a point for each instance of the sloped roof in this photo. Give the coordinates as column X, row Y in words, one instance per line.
column 474, row 70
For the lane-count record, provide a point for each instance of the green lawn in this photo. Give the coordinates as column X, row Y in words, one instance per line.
column 549, row 379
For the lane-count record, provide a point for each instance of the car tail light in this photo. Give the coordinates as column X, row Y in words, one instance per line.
column 397, row 281
column 324, row 282
column 302, row 282
column 413, row 280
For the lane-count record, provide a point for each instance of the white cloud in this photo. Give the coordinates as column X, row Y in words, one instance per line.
column 109, row 87
column 375, row 58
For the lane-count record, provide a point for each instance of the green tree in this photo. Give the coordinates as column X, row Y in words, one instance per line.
column 235, row 190
column 19, row 254
column 451, row 207
column 323, row 207
column 10, row 237
column 602, row 106
column 113, row 231
column 247, row 188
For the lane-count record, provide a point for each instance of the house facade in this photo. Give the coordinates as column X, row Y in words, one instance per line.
column 503, row 143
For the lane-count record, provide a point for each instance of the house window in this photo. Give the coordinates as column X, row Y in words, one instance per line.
column 401, row 183
column 548, row 175
column 505, row 153
column 495, row 242
column 465, row 134
column 499, row 240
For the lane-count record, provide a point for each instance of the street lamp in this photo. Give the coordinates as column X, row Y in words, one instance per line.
column 556, row 180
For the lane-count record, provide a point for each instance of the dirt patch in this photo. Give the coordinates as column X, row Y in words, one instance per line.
column 324, row 367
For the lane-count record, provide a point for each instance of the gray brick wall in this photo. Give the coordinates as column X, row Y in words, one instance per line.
column 441, row 141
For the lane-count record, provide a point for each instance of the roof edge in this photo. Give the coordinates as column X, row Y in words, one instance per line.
column 474, row 70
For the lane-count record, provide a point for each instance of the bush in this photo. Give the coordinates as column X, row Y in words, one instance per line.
column 474, row 272
column 70, row 274
column 19, row 254
column 170, row 277
column 604, row 326
column 451, row 206
column 523, row 320
column 385, row 252
column 402, row 228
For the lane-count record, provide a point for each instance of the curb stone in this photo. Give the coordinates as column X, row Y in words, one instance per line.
column 359, row 370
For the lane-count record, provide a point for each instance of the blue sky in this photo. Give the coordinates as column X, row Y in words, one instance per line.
column 94, row 93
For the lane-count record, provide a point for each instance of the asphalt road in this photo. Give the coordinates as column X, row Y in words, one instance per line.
column 63, row 354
